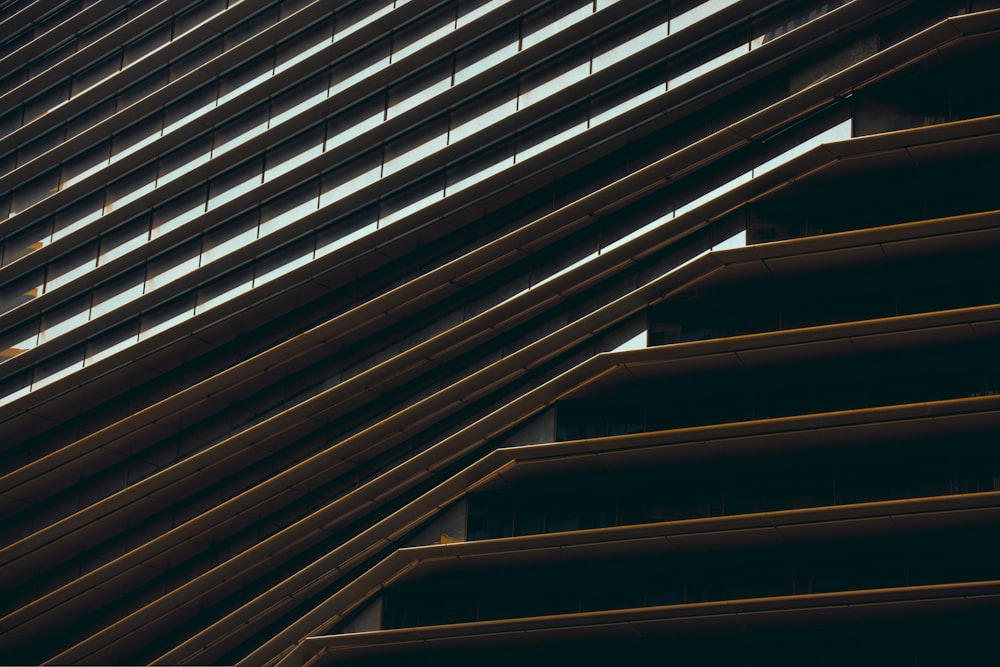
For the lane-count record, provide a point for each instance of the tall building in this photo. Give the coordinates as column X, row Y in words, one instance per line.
column 362, row 332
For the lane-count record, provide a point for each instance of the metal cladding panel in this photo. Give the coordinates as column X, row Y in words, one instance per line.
column 284, row 283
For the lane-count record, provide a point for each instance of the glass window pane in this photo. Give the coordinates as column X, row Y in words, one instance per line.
column 119, row 338
column 179, row 211
column 295, row 152
column 225, row 288
column 148, row 43
column 84, row 164
column 416, row 145
column 71, row 266
column 358, row 15
column 197, row 15
column 118, row 292
column 34, row 191
column 173, row 265
column 419, row 88
column 45, row 102
column 289, row 207
column 483, row 111
column 411, row 199
column 284, row 261
column 51, row 58
column 102, row 70
column 346, row 231
column 51, row 370
column 353, row 122
column 195, row 59
column 64, row 318
column 556, row 76
column 93, row 33
column 480, row 166
column 351, row 177
column 90, row 117
column 26, row 241
column 486, row 52
column 360, row 66
column 191, row 155
column 139, row 182
column 230, row 237
column 241, row 128
column 166, row 316
column 21, row 290
column 11, row 120
column 307, row 41
column 130, row 138
column 235, row 182
column 41, row 145
column 247, row 74
column 554, row 17
column 78, row 215
column 299, row 97
column 254, row 25
column 184, row 109
column 124, row 239
column 143, row 88
column 428, row 29
column 21, row 339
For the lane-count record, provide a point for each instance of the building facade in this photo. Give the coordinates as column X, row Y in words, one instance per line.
column 355, row 332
